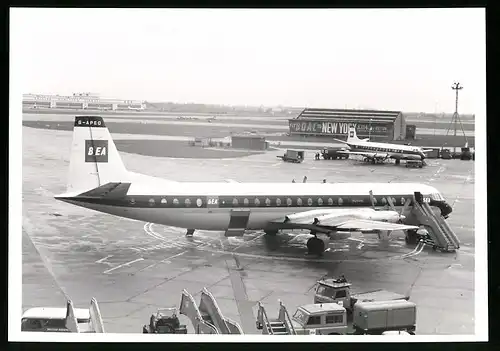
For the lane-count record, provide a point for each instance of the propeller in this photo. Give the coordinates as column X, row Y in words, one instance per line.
column 403, row 209
column 372, row 200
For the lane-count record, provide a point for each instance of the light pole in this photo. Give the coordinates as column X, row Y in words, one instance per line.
column 370, row 131
column 456, row 87
column 435, row 116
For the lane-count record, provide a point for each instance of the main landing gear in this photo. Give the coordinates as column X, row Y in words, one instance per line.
column 411, row 237
column 315, row 246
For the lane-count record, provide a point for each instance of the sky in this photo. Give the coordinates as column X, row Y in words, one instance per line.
column 347, row 58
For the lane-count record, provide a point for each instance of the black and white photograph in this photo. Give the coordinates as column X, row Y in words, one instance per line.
column 259, row 175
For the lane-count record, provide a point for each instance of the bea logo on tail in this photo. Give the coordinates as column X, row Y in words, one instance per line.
column 96, row 151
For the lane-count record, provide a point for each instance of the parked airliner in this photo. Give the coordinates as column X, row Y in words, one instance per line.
column 98, row 180
column 380, row 151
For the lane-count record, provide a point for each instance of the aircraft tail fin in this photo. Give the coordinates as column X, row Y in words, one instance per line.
column 94, row 159
column 352, row 136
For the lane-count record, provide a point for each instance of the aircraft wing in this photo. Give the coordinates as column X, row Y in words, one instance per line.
column 366, row 154
column 323, row 221
column 405, row 157
column 369, row 225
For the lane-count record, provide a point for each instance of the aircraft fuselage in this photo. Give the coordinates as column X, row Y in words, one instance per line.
column 209, row 206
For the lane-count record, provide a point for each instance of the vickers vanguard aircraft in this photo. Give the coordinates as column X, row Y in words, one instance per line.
column 98, row 180
column 379, row 152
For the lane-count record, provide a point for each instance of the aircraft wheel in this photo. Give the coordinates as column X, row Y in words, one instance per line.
column 315, row 246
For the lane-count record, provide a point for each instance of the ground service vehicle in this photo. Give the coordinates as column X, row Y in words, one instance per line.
column 333, row 154
column 379, row 317
column 446, row 154
column 466, row 154
column 52, row 319
column 293, row 156
column 60, row 319
column 313, row 319
column 320, row 319
column 414, row 164
column 338, row 291
column 165, row 321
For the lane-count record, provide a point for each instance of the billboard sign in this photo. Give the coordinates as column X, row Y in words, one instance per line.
column 340, row 128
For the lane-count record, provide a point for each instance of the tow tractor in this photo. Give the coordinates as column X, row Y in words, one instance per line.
column 165, row 321
column 339, row 291
column 334, row 153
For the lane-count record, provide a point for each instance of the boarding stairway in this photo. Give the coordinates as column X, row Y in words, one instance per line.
column 207, row 318
column 441, row 236
column 281, row 326
column 94, row 326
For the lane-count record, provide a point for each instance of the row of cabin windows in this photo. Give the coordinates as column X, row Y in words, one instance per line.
column 382, row 149
column 329, row 319
column 278, row 202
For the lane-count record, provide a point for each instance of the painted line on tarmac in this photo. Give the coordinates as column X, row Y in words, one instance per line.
column 123, row 265
column 205, row 247
column 298, row 259
column 248, row 242
column 103, row 259
column 166, row 260
column 149, row 231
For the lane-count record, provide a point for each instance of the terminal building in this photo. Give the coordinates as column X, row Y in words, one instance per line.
column 334, row 123
column 80, row 101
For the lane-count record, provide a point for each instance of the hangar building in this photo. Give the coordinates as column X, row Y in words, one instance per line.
column 80, row 101
column 377, row 125
column 250, row 142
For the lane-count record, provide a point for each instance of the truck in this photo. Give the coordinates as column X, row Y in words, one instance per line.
column 414, row 164
column 292, row 156
column 60, row 319
column 311, row 319
column 374, row 318
column 334, row 153
column 466, row 154
column 381, row 317
column 338, row 290
column 165, row 321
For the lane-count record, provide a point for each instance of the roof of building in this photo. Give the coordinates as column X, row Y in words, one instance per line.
column 320, row 113
column 321, row 307
column 248, row 136
column 54, row 313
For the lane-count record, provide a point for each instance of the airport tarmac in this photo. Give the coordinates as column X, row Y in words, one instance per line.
column 264, row 125
column 132, row 268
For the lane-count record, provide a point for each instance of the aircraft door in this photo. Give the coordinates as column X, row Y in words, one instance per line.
column 237, row 223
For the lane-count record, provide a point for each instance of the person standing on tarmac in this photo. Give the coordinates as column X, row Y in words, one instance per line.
column 305, row 179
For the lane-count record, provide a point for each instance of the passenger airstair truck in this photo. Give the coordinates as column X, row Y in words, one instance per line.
column 207, row 318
